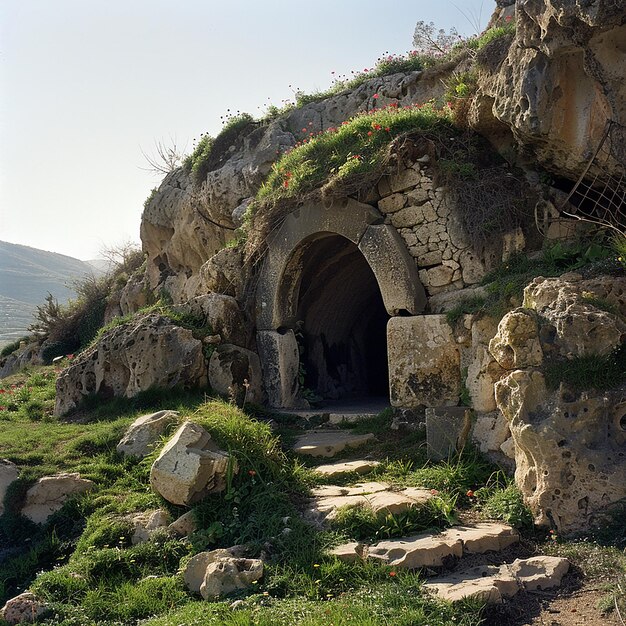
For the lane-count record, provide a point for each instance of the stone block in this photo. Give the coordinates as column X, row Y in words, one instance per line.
column 280, row 362
column 424, row 362
column 447, row 429
column 144, row 432
column 392, row 203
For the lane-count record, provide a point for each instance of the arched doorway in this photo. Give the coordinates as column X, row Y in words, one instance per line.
column 342, row 322
column 332, row 278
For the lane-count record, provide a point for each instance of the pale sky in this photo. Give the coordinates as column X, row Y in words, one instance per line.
column 85, row 85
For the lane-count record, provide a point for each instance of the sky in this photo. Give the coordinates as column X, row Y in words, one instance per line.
column 88, row 86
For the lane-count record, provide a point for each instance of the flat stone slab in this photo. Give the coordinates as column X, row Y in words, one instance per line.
column 329, row 443
column 378, row 497
column 346, row 467
column 490, row 583
column 431, row 550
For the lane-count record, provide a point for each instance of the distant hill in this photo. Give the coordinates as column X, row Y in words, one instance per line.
column 27, row 275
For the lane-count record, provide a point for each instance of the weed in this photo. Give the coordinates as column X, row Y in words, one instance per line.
column 501, row 499
column 469, row 305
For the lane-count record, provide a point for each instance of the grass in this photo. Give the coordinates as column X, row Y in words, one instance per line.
column 357, row 146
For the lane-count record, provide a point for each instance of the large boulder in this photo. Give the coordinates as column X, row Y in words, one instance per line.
column 220, row 572
column 516, row 343
column 144, row 432
column 50, row 493
column 222, row 314
column 568, row 449
column 190, row 466
column 149, row 351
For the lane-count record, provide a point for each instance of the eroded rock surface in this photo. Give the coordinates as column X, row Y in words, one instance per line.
column 149, row 351
column 220, row 572
column 23, row 609
column 190, row 466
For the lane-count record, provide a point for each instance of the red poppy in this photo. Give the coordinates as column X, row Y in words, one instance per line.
column 375, row 96
column 252, row 472
column 392, row 574
column 470, row 493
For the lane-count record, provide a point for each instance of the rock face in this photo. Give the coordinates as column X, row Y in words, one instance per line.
column 22, row 609
column 190, row 466
column 517, row 342
column 8, row 474
column 236, row 372
column 144, row 432
column 147, row 352
column 219, row 572
column 50, row 493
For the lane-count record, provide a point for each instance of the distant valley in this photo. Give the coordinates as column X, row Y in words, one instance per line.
column 27, row 275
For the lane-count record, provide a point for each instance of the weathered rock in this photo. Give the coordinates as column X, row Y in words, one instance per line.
column 349, row 552
column 517, row 343
column 224, row 273
column 490, row 583
column 23, row 609
column 428, row 550
column 147, row 523
column 490, row 431
column 567, row 449
column 29, row 354
column 328, row 443
column 184, row 525
column 424, row 362
column 579, row 326
column 236, row 372
column 346, row 467
column 222, row 314
column 447, row 429
column 50, row 493
column 377, row 497
column 149, row 351
column 218, row 573
column 8, row 474
column 190, row 466
column 144, row 432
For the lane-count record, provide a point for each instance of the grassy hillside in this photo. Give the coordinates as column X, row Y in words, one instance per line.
column 27, row 275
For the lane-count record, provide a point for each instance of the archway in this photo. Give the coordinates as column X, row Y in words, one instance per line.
column 342, row 322
column 332, row 278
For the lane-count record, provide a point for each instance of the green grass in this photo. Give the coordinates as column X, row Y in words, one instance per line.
column 356, row 147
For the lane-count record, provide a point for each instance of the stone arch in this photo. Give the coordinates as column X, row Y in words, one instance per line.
column 319, row 250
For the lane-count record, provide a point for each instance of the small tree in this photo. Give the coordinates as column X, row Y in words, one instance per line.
column 427, row 39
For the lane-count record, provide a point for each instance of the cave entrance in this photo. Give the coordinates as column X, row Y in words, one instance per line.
column 332, row 277
column 341, row 322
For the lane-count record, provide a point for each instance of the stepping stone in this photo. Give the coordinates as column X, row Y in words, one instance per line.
column 431, row 550
column 490, row 583
column 346, row 467
column 376, row 496
column 328, row 443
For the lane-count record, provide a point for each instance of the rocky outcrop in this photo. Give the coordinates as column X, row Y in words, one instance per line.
column 557, row 82
column 190, row 466
column 149, row 351
column 145, row 432
column 567, row 444
column 50, row 493
column 220, row 572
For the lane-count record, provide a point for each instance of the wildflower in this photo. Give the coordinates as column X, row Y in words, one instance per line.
column 375, row 96
column 252, row 472
column 388, row 129
column 470, row 493
column 2, row 390
column 508, row 18
column 286, row 184
column 392, row 574
column 304, row 130
column 369, row 133
column 2, row 408
column 434, row 492
column 70, row 357
column 316, row 564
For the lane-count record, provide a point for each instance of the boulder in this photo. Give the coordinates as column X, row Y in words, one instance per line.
column 8, row 474
column 224, row 273
column 580, row 325
column 190, row 466
column 146, row 524
column 50, row 493
column 222, row 315
column 568, row 449
column 23, row 609
column 145, row 432
column 236, row 372
column 516, row 343
column 184, row 525
column 149, row 351
column 219, row 572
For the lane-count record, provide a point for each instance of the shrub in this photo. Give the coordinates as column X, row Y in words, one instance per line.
column 13, row 346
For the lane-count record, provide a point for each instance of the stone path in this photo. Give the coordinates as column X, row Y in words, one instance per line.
column 340, row 468
column 351, row 411
column 329, row 443
column 377, row 496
